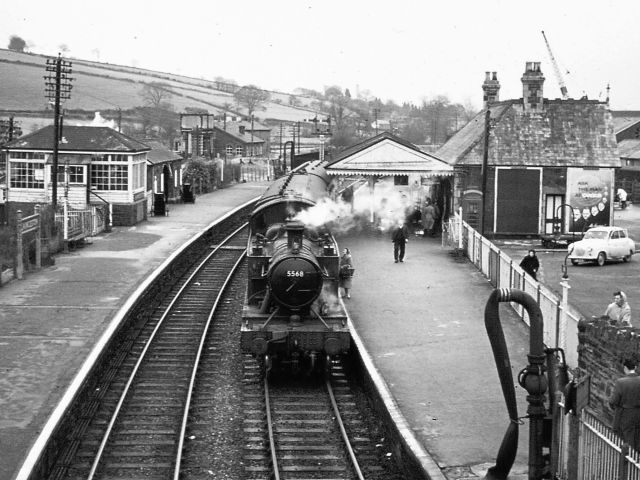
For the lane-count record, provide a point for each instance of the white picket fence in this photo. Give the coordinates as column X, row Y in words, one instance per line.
column 81, row 224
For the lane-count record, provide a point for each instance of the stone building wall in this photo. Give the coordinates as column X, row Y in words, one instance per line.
column 601, row 351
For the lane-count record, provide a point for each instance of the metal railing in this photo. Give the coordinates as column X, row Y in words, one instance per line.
column 602, row 454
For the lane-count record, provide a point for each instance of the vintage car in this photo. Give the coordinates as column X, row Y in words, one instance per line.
column 600, row 244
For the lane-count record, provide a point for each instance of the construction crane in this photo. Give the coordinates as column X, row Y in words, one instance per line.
column 563, row 87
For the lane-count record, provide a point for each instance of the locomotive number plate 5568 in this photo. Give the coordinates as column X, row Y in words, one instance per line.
column 295, row 273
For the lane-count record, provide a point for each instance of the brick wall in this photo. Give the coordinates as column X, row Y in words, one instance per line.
column 128, row 214
column 601, row 350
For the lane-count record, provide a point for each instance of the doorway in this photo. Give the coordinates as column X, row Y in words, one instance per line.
column 552, row 208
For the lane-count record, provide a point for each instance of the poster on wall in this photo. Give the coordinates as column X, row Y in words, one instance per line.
column 589, row 192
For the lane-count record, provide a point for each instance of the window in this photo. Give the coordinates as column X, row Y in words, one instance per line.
column 400, row 180
column 76, row 174
column 138, row 175
column 239, row 150
column 27, row 155
column 622, row 234
column 109, row 177
column 27, row 175
column 229, row 149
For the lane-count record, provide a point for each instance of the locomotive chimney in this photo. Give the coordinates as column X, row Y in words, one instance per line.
column 294, row 235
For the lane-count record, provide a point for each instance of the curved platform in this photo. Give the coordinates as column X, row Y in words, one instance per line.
column 421, row 322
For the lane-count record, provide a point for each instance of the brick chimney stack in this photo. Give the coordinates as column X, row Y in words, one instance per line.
column 532, row 81
column 491, row 88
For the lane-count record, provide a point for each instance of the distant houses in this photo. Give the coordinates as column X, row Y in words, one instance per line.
column 210, row 136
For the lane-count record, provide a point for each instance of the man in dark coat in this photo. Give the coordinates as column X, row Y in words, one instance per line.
column 399, row 237
column 530, row 264
column 625, row 400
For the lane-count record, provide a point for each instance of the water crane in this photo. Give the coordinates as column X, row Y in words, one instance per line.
column 563, row 87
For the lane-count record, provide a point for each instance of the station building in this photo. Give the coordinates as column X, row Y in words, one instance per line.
column 95, row 165
column 387, row 161
column 550, row 163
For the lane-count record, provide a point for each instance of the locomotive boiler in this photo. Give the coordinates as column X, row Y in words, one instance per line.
column 292, row 314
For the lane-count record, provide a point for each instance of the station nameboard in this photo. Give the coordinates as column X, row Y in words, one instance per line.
column 29, row 224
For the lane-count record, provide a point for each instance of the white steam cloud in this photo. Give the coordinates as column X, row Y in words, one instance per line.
column 99, row 121
column 388, row 205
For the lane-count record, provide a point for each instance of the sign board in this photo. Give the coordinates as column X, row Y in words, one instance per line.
column 589, row 192
column 28, row 224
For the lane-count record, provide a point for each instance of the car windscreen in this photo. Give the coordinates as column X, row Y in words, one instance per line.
column 599, row 235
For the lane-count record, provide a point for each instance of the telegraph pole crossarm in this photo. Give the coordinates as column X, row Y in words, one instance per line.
column 57, row 88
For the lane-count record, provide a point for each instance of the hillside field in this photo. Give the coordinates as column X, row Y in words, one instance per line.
column 99, row 86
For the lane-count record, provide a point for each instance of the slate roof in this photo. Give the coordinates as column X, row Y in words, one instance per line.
column 160, row 154
column 624, row 119
column 233, row 130
column 571, row 133
column 79, row 138
column 629, row 148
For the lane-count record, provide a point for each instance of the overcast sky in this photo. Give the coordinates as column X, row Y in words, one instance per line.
column 400, row 50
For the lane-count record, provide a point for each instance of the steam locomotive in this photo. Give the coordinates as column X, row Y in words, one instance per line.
column 292, row 315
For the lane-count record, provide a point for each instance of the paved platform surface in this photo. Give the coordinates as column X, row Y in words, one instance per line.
column 421, row 320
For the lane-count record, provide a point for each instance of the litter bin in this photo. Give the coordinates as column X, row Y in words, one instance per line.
column 159, row 205
column 187, row 193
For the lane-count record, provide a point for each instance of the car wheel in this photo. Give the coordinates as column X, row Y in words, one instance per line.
column 602, row 257
column 574, row 261
column 627, row 258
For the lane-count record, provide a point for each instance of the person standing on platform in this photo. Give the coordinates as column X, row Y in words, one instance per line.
column 345, row 274
column 619, row 311
column 399, row 237
column 530, row 264
column 429, row 216
column 625, row 401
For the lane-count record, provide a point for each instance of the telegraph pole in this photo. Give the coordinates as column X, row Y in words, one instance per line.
column 485, row 166
column 57, row 87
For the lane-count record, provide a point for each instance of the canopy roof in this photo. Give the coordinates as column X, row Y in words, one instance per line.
column 386, row 155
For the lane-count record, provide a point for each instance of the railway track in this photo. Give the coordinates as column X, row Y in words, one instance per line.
column 173, row 397
column 310, row 428
column 139, row 427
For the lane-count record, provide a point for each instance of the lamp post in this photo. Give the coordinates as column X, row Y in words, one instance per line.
column 557, row 230
column 561, row 335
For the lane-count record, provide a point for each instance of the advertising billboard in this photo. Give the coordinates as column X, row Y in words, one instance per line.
column 590, row 194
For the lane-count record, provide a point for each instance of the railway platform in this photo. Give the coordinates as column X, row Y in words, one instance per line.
column 51, row 319
column 421, row 322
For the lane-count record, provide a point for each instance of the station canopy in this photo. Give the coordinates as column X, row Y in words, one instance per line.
column 387, row 155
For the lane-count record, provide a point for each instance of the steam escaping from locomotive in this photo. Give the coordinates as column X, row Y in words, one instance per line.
column 387, row 205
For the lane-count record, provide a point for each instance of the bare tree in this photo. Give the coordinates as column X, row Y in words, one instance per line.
column 17, row 44
column 251, row 97
column 154, row 94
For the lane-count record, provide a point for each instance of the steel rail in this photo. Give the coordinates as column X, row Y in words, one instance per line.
column 272, row 442
column 196, row 364
column 343, row 431
column 107, row 434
